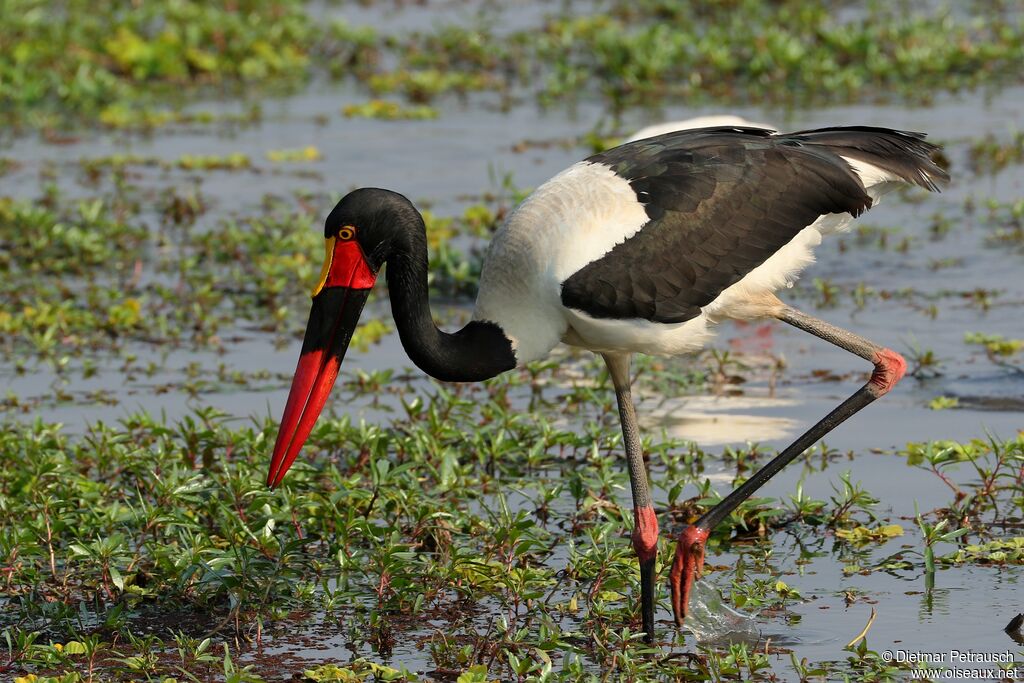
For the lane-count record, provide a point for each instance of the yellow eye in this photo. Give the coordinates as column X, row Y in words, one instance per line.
column 346, row 233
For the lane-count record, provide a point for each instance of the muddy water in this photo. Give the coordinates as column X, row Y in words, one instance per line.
column 445, row 159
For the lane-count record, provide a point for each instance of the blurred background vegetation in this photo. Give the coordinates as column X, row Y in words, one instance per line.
column 164, row 170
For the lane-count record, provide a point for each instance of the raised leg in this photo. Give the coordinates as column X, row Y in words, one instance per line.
column 889, row 368
column 645, row 522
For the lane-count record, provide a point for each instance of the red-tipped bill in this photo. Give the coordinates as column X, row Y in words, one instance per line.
column 337, row 303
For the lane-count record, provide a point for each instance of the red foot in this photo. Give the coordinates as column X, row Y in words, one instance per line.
column 889, row 369
column 687, row 566
column 645, row 533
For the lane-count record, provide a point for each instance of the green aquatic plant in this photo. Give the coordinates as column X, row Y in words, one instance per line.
column 136, row 68
column 401, row 517
column 989, row 154
column 1009, row 551
column 307, row 153
column 862, row 534
column 924, row 362
column 126, row 116
column 933, row 534
column 773, row 51
column 944, row 403
column 995, row 344
column 426, row 84
column 356, row 672
column 74, row 282
column 101, row 56
column 389, row 111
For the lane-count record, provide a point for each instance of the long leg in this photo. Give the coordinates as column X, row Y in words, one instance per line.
column 889, row 368
column 645, row 522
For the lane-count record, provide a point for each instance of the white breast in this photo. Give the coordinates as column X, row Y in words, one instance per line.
column 575, row 218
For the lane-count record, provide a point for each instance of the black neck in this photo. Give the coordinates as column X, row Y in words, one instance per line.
column 478, row 351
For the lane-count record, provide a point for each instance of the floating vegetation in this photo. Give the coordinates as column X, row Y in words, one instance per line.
column 998, row 349
column 426, row 84
column 305, row 154
column 944, row 402
column 121, row 66
column 121, row 115
column 1008, row 551
column 389, row 111
column 104, row 52
column 363, row 670
column 789, row 51
column 210, row 162
column 8, row 165
column 89, row 234
column 1005, row 222
column 995, row 344
column 863, row 534
column 989, row 154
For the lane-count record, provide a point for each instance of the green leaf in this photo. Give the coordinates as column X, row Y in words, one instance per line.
column 953, row 535
column 863, row 534
column 474, row 674
column 944, row 402
column 332, row 672
column 116, row 577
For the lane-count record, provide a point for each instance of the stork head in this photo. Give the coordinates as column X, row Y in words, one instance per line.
column 360, row 233
column 377, row 221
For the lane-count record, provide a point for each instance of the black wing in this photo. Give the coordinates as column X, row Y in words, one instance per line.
column 720, row 202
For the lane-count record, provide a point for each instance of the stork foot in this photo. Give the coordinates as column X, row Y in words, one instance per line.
column 687, row 566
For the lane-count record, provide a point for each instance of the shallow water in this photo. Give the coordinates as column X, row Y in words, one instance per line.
column 711, row 620
column 445, row 159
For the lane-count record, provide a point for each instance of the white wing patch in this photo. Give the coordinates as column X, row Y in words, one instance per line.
column 875, row 180
column 711, row 121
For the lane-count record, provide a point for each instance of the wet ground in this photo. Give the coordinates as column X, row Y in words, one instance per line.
column 928, row 281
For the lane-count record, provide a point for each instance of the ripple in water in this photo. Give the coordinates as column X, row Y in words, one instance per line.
column 711, row 620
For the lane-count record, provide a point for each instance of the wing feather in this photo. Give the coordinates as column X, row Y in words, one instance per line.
column 720, row 202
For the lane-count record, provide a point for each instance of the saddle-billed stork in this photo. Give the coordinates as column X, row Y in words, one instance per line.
column 639, row 249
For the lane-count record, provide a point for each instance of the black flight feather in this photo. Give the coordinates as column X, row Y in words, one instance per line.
column 720, row 201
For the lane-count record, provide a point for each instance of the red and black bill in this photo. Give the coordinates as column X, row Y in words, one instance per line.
column 338, row 300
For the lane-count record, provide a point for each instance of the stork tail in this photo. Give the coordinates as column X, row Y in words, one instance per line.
column 902, row 153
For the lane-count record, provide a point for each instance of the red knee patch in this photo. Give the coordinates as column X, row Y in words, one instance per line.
column 645, row 533
column 889, row 369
